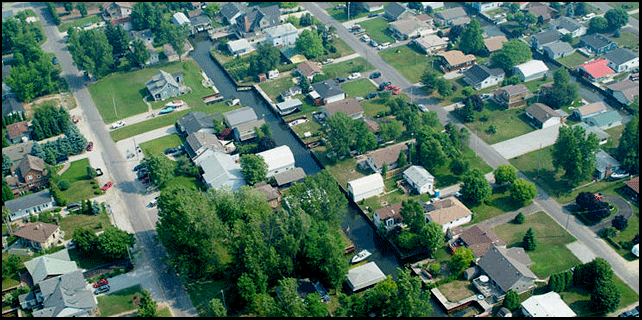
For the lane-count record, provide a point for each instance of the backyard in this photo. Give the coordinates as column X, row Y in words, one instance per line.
column 457, row 290
column 407, row 61
column 159, row 145
column 80, row 187
column 627, row 40
column 573, row 60
column 118, row 302
column 508, row 124
column 340, row 14
column 273, row 88
column 345, row 68
column 73, row 221
column 358, row 88
column 498, row 204
column 377, row 29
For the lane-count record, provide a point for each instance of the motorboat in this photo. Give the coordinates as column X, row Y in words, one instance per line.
column 364, row 254
column 175, row 103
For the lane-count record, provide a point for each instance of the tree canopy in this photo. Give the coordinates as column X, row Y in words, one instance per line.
column 564, row 91
column 522, row 191
column 505, row 173
column 511, row 54
column 617, row 18
column 91, row 51
column 575, row 153
column 472, row 39
column 628, row 151
column 254, row 168
column 475, row 188
column 310, row 44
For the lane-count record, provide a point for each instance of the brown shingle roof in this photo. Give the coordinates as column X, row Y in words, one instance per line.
column 389, row 154
column 447, row 210
column 30, row 162
column 514, row 89
column 347, row 106
column 17, row 129
column 309, row 68
column 495, row 43
column 634, row 184
column 270, row 192
column 391, row 211
column 38, row 231
column 592, row 108
column 541, row 112
column 456, row 57
column 480, row 238
column 372, row 125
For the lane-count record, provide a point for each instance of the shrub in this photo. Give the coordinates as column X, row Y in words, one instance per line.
column 519, row 218
column 619, row 222
column 97, row 192
column 434, row 268
column 63, row 185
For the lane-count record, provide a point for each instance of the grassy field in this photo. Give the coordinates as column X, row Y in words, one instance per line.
column 80, row 188
column 118, row 302
column 358, row 88
column 445, row 178
column 508, row 123
column 189, row 182
column 457, row 290
column 573, row 60
column 166, row 120
column 373, row 106
column 627, row 40
column 203, row 291
column 274, row 87
column 377, row 29
column 626, row 6
column 345, row 68
column 159, row 145
column 498, row 204
column 340, row 14
column 551, row 255
column 71, row 222
column 407, row 61
column 63, row 27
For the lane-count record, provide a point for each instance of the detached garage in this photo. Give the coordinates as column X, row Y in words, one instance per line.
column 530, row 70
column 364, row 276
column 366, row 187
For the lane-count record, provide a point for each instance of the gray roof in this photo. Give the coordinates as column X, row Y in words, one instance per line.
column 478, row 73
column 419, row 175
column 159, row 81
column 595, row 40
column 17, row 151
column 506, row 266
column 395, row 9
column 220, row 169
column 566, row 23
column 29, row 201
column 327, row 88
column 547, row 36
column 452, row 14
column 541, row 112
column 195, row 121
column 364, row 276
column 197, row 140
column 239, row 116
column 601, row 134
column 272, row 15
column 605, row 118
column 288, row 176
column 50, row 265
column 604, row 160
column 200, row 20
column 559, row 46
column 515, row 89
column 11, row 105
column 230, row 9
column 620, row 56
column 69, row 291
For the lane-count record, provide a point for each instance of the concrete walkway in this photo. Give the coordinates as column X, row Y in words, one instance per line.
column 527, row 142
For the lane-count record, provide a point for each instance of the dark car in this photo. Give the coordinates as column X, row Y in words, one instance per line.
column 99, row 172
column 383, row 85
column 74, row 206
column 139, row 166
column 341, row 79
column 371, row 95
column 375, row 75
column 372, row 15
column 54, row 60
column 102, row 289
column 170, row 150
column 90, row 146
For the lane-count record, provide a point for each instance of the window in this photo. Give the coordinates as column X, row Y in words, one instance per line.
column 38, row 176
column 29, row 177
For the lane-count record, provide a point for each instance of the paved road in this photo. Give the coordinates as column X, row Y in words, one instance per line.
column 163, row 287
column 628, row 272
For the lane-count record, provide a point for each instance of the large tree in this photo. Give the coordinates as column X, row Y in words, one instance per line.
column 505, row 173
column 114, row 243
column 431, row 154
column 598, row 25
column 413, row 215
column 161, row 169
column 617, row 18
column 340, row 133
column 118, row 39
column 91, row 51
column 529, row 240
column 389, row 131
column 564, row 91
column 310, row 44
column 431, row 237
column 511, row 300
column 461, row 259
column 410, row 300
column 511, row 54
column 139, row 53
column 472, row 39
column 522, row 191
column 575, row 153
column 254, row 168
column 475, row 188
column 628, row 151
column 605, row 298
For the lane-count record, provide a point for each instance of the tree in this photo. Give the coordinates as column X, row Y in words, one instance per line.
column 306, row 20
column 444, row 87
column 605, row 298
column 85, row 240
column 53, row 12
column 7, row 194
column 139, row 54
column 431, row 154
column 564, row 92
column 339, row 132
column 461, row 259
column 402, row 161
column 389, row 131
column 415, row 6
column 430, row 79
column 82, row 8
column 522, row 191
column 268, row 58
column 575, row 153
column 6, row 165
column 352, row 9
column 472, row 39
column 290, row 300
column 467, row 113
column 511, row 54
column 314, row 307
column 580, row 9
column 628, row 151
column 620, row 222
column 304, row 83
column 598, row 25
column 511, row 300
column 599, row 212
column 529, row 240
column 519, row 218
column 384, row 169
column 216, row 308
column 266, row 143
column 459, row 165
column 475, row 188
column 91, row 51
column 254, row 168
column 114, row 244
column 69, row 6
column 364, row 139
column 413, row 215
column 63, row 185
column 505, row 173
column 567, row 37
column 466, row 91
column 570, row 12
column 617, row 18
column 310, row 44
column 212, row 9
column 586, row 200
column 147, row 306
column 431, row 237
column 409, row 300
column 118, row 38
column 161, row 169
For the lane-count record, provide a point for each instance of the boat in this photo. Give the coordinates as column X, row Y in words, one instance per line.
column 363, row 255
column 175, row 103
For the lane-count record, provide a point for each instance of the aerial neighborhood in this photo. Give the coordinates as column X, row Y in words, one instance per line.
column 323, row 159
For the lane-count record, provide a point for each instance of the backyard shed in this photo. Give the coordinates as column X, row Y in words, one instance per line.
column 364, row 276
column 279, row 159
column 366, row 187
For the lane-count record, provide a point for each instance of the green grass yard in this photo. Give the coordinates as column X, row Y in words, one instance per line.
column 377, row 29
column 573, row 60
column 508, row 123
column 345, row 68
column 118, row 302
column 80, row 188
column 77, row 171
column 159, row 145
column 273, row 88
column 498, row 204
column 71, row 222
column 63, row 27
column 627, row 40
column 203, row 291
column 410, row 63
column 358, row 88
column 340, row 14
column 375, row 105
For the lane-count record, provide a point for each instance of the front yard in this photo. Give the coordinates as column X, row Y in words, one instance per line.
column 410, row 63
column 508, row 124
column 80, row 187
column 377, row 29
column 118, row 302
column 73, row 221
column 159, row 145
column 345, row 68
column 358, row 88
column 498, row 204
column 627, row 40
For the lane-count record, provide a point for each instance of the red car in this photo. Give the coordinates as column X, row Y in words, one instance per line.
column 90, row 146
column 598, row 196
column 389, row 87
column 395, row 92
column 146, row 180
column 101, row 283
column 107, row 186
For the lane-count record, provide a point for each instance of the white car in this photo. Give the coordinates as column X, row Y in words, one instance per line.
column 422, row 107
column 354, row 75
column 117, row 125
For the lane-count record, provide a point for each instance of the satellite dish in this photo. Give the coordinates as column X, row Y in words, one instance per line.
column 483, row 278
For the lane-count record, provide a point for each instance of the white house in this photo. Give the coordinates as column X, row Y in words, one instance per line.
column 621, row 60
column 29, row 204
column 288, row 106
column 180, row 18
column 566, row 25
column 546, row 305
column 480, row 77
column 240, row 47
column 221, row 170
column 431, row 43
column 278, row 159
column 448, row 213
column 530, row 70
column 281, row 35
column 364, row 276
column 420, row 179
column 390, row 216
column 542, row 115
column 366, row 187
column 486, row 6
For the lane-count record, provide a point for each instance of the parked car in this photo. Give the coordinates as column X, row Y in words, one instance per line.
column 598, row 196
column 354, row 75
column 358, row 98
column 146, row 180
column 99, row 172
column 170, row 150
column 422, row 107
column 395, row 92
column 90, row 146
column 371, row 95
column 485, row 96
column 457, row 194
column 372, row 15
column 375, row 75
column 101, row 283
column 365, row 38
column 635, row 312
column 139, row 166
column 383, row 85
column 327, row 61
column 619, row 174
column 166, row 110
column 102, row 289
column 373, row 43
column 341, row 79
column 153, row 202
column 107, row 186
column 54, row 60
column 74, row 206
column 117, row 125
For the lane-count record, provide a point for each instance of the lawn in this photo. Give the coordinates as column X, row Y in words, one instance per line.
column 118, row 302
column 159, row 145
column 345, row 68
column 130, row 89
column 508, row 124
column 63, row 27
column 445, row 178
column 457, row 290
column 274, row 87
column 498, row 204
column 165, row 120
column 627, row 40
column 551, row 255
column 534, row 85
column 201, row 292
column 188, row 182
column 343, row 171
column 358, row 88
column 340, row 14
column 77, row 171
column 573, row 60
column 80, row 188
column 580, row 300
column 377, row 29
column 73, row 221
column 410, row 63
column 626, row 6
column 614, row 141
column 373, row 106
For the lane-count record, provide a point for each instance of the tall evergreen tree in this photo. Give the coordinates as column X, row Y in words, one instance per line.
column 529, row 240
column 472, row 39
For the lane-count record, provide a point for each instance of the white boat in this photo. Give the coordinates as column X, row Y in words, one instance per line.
column 175, row 103
column 364, row 254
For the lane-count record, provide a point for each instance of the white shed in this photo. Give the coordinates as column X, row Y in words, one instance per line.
column 420, row 179
column 241, row 47
column 365, row 276
column 366, row 187
column 279, row 159
column 530, row 70
column 180, row 18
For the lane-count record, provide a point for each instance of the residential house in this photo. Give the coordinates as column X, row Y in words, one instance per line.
column 246, row 131
column 350, row 107
column 50, row 266
column 289, row 106
column 154, row 57
column 364, row 276
column 194, row 121
column 371, row 6
column 432, row 5
column 530, row 70
column 239, row 116
column 67, row 295
column 240, row 47
column 621, row 60
column 291, row 92
column 420, row 179
column 281, row 35
column 543, row 116
column 425, row 18
column 221, row 170
column 624, row 91
column 494, row 44
column 164, row 85
column 450, row 15
column 566, row 25
column 272, row 195
column 546, row 305
column 597, row 44
column 200, row 23
column 462, row 21
column 232, row 10
column 33, row 203
column 605, row 165
column 507, row 269
column 309, row 69
column 146, row 35
column 601, row 135
column 503, row 312
column 540, row 10
column 606, row 120
column 409, row 28
column 584, row 112
column 480, row 77
column 291, row 54
column 539, row 40
column 447, row 213
column 328, row 91
column 288, row 177
column 170, row 53
column 557, row 49
column 480, row 238
column 454, row 60
column 366, row 187
column 596, row 70
column 29, row 174
column 18, row 132
column 279, row 159
column 195, row 12
column 180, row 18
column 633, row 188
column 486, row 6
column 198, row 142
column 395, row 11
column 389, row 155
column 512, row 96
column 39, row 235
column 118, row 13
column 17, row 151
column 257, row 19
column 372, row 125
column 9, row 103
column 390, row 216
column 431, row 44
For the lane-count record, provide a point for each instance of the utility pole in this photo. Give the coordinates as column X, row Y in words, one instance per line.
column 114, row 101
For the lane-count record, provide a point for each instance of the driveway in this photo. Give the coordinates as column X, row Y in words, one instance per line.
column 527, row 142
column 624, row 209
